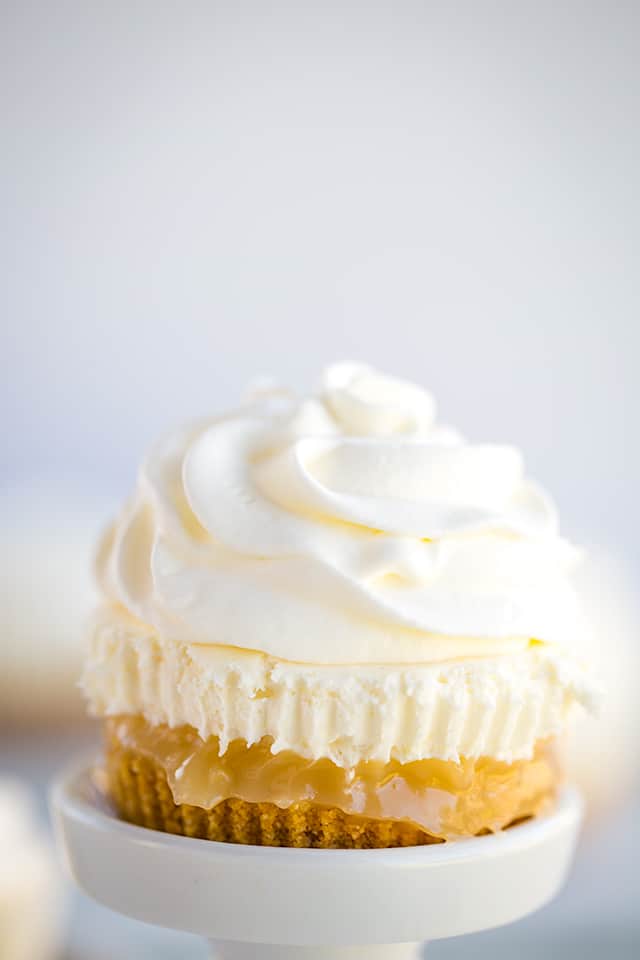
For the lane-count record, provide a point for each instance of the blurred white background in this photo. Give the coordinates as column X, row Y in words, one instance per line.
column 194, row 193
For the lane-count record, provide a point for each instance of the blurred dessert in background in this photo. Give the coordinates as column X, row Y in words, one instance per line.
column 611, row 642
column 32, row 902
column 46, row 591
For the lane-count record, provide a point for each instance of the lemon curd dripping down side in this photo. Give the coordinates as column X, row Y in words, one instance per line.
column 171, row 779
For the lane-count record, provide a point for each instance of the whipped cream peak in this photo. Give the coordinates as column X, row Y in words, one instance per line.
column 345, row 527
column 367, row 403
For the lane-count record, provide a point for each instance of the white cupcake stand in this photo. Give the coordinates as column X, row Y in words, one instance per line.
column 265, row 903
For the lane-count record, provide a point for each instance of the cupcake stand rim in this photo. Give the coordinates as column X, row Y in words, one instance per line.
column 273, row 903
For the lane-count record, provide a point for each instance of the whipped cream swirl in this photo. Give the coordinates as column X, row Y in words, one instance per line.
column 348, row 527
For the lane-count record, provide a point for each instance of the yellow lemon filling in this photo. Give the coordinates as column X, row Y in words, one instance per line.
column 170, row 779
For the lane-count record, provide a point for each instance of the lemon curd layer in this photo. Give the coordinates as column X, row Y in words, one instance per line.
column 443, row 800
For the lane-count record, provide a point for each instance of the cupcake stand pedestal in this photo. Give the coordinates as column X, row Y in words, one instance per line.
column 265, row 903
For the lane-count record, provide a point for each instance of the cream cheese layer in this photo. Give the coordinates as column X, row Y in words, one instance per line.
column 488, row 707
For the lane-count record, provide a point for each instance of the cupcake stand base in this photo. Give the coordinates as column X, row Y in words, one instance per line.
column 266, row 903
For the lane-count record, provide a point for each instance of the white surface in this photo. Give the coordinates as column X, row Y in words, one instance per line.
column 247, row 951
column 312, row 897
